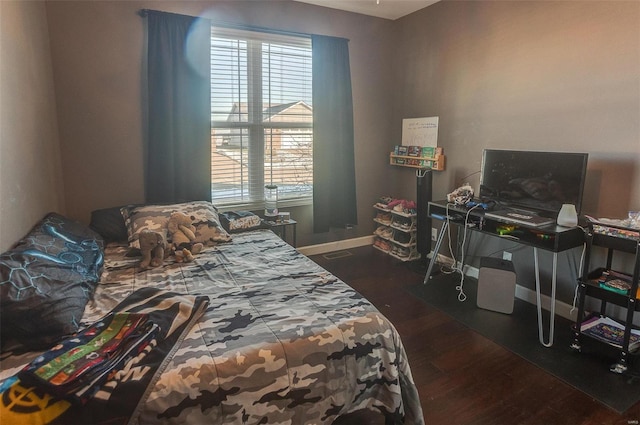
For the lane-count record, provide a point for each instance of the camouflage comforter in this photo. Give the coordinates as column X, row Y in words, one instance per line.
column 282, row 342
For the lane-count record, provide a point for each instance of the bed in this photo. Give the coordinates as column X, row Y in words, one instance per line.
column 280, row 341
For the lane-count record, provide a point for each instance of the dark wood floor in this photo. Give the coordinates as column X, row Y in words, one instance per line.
column 463, row 377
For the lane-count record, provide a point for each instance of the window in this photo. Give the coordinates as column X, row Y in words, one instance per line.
column 261, row 117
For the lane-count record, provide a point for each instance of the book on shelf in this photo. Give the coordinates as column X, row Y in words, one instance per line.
column 615, row 282
column 616, row 285
column 618, row 228
column 608, row 330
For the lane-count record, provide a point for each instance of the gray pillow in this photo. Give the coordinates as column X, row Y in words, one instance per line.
column 209, row 231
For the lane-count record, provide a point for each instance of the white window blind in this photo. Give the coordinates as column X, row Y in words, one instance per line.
column 261, row 116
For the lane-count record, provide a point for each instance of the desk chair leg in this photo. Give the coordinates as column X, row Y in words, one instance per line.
column 552, row 309
column 436, row 249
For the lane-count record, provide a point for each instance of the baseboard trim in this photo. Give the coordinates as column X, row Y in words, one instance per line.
column 562, row 309
column 323, row 248
column 529, row 295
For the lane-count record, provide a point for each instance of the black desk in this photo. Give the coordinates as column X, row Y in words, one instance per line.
column 550, row 238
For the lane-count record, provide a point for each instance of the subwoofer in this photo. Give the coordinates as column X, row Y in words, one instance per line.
column 496, row 285
column 424, row 183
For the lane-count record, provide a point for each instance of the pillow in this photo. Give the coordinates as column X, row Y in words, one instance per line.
column 209, row 231
column 46, row 280
column 240, row 221
column 109, row 223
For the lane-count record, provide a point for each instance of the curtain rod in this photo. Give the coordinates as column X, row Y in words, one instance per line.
column 145, row 12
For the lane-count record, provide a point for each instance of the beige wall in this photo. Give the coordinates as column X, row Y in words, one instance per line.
column 30, row 167
column 559, row 76
column 97, row 50
column 525, row 75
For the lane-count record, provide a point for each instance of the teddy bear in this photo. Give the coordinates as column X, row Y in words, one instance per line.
column 152, row 247
column 182, row 234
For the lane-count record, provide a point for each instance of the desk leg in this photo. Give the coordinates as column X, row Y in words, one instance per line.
column 552, row 309
column 436, row 249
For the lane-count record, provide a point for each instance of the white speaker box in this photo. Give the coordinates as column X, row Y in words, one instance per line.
column 496, row 285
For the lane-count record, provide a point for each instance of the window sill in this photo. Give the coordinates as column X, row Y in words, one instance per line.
column 259, row 206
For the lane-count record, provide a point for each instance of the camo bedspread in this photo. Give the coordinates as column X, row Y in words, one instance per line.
column 282, row 342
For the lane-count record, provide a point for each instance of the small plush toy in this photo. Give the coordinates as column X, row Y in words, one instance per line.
column 152, row 246
column 182, row 234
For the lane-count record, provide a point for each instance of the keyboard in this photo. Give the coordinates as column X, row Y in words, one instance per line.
column 508, row 216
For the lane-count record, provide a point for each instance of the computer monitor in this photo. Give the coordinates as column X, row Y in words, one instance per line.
column 532, row 180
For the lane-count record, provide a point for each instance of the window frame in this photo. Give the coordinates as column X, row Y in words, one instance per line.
column 256, row 126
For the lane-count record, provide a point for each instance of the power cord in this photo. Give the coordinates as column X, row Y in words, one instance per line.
column 582, row 258
column 464, row 179
column 458, row 267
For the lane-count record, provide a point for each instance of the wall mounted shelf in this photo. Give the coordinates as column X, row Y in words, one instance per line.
column 434, row 163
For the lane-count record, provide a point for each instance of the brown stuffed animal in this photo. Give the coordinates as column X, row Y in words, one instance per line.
column 152, row 246
column 182, row 234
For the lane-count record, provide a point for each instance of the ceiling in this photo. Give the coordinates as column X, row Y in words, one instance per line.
column 389, row 9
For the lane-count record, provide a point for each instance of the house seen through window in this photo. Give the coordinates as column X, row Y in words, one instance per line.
column 261, row 117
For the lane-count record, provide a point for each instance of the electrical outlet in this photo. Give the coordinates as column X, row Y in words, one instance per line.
column 506, row 255
column 434, row 234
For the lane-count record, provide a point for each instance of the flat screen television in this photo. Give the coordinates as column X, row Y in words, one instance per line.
column 534, row 181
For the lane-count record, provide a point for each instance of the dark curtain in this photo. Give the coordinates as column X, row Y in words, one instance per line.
column 178, row 160
column 334, row 188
